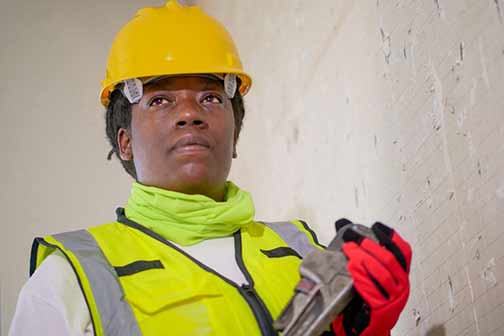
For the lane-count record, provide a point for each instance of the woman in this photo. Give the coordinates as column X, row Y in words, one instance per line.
column 185, row 256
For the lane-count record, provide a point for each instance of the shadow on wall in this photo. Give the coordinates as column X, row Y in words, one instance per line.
column 437, row 330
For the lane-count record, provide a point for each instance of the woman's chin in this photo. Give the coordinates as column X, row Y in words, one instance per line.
column 194, row 179
column 194, row 173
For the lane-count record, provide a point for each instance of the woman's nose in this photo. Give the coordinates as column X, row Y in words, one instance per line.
column 190, row 114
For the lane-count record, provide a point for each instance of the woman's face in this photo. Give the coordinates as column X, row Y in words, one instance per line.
column 182, row 136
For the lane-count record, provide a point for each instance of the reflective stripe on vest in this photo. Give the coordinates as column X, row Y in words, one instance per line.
column 116, row 315
column 293, row 236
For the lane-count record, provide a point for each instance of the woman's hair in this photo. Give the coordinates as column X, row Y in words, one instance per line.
column 118, row 115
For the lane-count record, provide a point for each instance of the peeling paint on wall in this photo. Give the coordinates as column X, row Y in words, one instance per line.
column 469, row 283
column 499, row 10
column 483, row 61
column 438, row 6
column 437, row 112
column 460, row 59
column 417, row 317
column 295, row 134
column 476, row 323
column 451, row 195
column 477, row 255
column 386, row 45
column 412, row 42
column 461, row 117
column 451, row 296
column 439, row 9
column 488, row 274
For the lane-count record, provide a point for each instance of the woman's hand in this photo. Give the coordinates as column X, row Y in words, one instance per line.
column 380, row 277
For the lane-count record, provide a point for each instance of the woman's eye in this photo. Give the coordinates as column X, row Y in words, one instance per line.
column 213, row 99
column 158, row 101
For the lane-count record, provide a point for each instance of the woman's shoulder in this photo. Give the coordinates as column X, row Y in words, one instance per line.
column 52, row 300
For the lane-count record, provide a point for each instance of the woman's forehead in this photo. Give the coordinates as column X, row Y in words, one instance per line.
column 189, row 82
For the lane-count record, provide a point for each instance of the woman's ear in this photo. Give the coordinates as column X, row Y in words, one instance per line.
column 124, row 143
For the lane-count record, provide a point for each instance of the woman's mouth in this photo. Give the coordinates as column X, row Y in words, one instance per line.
column 191, row 143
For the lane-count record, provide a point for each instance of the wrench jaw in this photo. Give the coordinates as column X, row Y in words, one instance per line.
column 323, row 292
column 295, row 318
column 310, row 311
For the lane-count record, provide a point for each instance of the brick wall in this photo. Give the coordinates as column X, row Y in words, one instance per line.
column 385, row 110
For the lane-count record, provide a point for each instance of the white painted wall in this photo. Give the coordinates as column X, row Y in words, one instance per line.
column 364, row 109
column 385, row 110
column 54, row 171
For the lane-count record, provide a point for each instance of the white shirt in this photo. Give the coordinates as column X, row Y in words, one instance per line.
column 51, row 302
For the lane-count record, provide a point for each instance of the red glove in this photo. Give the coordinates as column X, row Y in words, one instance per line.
column 380, row 278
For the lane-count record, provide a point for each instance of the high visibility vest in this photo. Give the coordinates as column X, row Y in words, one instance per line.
column 135, row 282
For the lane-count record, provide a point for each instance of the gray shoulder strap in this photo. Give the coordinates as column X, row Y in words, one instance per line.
column 293, row 236
column 116, row 316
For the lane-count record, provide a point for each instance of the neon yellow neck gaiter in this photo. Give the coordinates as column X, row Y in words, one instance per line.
column 188, row 219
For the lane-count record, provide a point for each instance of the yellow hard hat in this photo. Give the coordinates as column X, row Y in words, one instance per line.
column 171, row 40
